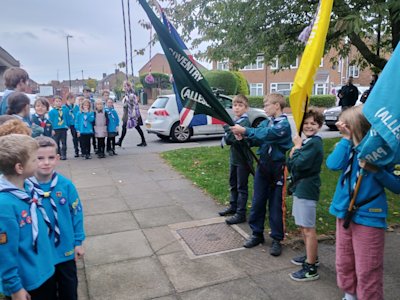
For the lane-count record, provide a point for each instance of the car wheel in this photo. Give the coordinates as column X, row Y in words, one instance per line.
column 180, row 133
column 257, row 122
column 163, row 137
column 332, row 127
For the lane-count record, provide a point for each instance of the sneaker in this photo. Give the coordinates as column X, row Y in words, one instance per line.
column 142, row 144
column 114, row 153
column 227, row 211
column 307, row 273
column 110, row 153
column 276, row 248
column 76, row 155
column 300, row 260
column 235, row 219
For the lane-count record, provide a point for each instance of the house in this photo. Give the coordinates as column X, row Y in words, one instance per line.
column 264, row 79
column 111, row 81
column 6, row 61
column 159, row 64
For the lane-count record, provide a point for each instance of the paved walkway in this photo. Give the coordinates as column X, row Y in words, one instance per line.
column 130, row 199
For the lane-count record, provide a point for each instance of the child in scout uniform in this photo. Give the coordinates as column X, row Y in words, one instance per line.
column 273, row 136
column 26, row 267
column 112, row 127
column 64, row 209
column 84, row 127
column 239, row 166
column 304, row 163
column 71, row 108
column 59, row 119
column 39, row 118
column 359, row 244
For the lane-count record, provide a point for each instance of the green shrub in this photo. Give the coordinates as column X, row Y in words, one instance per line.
column 319, row 101
column 256, row 101
column 160, row 81
column 223, row 80
column 243, row 86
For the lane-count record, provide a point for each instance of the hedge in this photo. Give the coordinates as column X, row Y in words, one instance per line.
column 243, row 86
column 316, row 100
column 223, row 80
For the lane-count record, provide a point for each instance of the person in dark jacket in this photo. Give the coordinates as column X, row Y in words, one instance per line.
column 348, row 94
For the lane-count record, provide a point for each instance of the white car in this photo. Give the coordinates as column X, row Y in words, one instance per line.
column 163, row 119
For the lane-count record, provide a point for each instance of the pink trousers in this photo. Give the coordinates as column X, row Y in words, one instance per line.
column 359, row 260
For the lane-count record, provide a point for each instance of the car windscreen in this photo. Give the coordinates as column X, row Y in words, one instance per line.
column 160, row 102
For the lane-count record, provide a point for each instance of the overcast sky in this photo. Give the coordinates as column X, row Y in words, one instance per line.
column 34, row 32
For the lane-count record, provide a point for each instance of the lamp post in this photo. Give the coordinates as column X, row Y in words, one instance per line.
column 69, row 66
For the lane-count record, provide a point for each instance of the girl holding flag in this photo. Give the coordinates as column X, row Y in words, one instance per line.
column 360, row 245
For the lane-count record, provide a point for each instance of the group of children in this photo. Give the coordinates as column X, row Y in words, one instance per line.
column 41, row 219
column 85, row 120
column 359, row 248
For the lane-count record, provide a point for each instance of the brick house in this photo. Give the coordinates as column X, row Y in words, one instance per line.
column 264, row 79
column 111, row 81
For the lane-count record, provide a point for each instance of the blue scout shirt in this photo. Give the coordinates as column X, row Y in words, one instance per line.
column 22, row 267
column 374, row 213
column 113, row 120
column 70, row 217
column 59, row 118
column 84, row 122
column 71, row 113
column 274, row 138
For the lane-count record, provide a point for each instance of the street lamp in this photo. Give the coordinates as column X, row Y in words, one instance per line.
column 69, row 66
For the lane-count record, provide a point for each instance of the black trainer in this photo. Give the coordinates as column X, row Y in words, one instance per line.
column 307, row 273
column 142, row 144
column 235, row 219
column 300, row 260
column 276, row 248
column 227, row 211
column 254, row 241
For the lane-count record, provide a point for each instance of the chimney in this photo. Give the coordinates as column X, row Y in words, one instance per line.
column 104, row 75
column 116, row 71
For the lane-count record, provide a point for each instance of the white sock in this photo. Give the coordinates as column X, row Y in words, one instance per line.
column 348, row 296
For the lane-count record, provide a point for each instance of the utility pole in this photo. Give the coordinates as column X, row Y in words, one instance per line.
column 69, row 65
column 82, row 75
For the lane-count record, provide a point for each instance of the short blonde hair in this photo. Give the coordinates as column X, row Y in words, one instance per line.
column 241, row 99
column 356, row 122
column 14, row 125
column 14, row 149
column 105, row 91
column 276, row 98
column 83, row 103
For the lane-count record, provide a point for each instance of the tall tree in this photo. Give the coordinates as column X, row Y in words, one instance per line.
column 242, row 29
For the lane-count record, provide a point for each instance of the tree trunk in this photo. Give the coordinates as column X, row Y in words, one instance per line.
column 395, row 27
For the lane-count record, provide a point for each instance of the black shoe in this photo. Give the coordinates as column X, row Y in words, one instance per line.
column 254, row 241
column 307, row 273
column 276, row 248
column 228, row 211
column 76, row 155
column 114, row 153
column 88, row 157
column 142, row 144
column 110, row 153
column 236, row 219
column 63, row 157
column 118, row 143
column 300, row 260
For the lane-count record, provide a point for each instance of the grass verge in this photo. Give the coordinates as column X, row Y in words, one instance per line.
column 208, row 168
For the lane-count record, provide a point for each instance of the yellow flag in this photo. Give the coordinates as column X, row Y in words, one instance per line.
column 304, row 80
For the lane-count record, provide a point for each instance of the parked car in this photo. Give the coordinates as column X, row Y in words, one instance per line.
column 331, row 115
column 163, row 119
column 113, row 96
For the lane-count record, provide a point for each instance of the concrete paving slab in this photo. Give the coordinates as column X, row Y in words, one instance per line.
column 103, row 206
column 128, row 280
column 132, row 177
column 110, row 223
column 175, row 184
column 162, row 241
column 108, row 248
column 92, row 179
column 150, row 199
column 159, row 216
column 278, row 285
column 257, row 260
column 188, row 274
column 189, row 195
column 128, row 188
column 201, row 209
column 97, row 192
column 232, row 290
column 165, row 298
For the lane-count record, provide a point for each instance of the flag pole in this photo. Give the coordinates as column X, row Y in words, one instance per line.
column 350, row 209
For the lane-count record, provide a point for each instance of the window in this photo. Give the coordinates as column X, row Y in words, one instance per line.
column 319, row 89
column 223, row 65
column 354, row 71
column 296, row 65
column 281, row 87
column 258, row 65
column 274, row 64
column 256, row 89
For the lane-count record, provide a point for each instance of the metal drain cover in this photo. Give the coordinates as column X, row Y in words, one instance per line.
column 207, row 237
